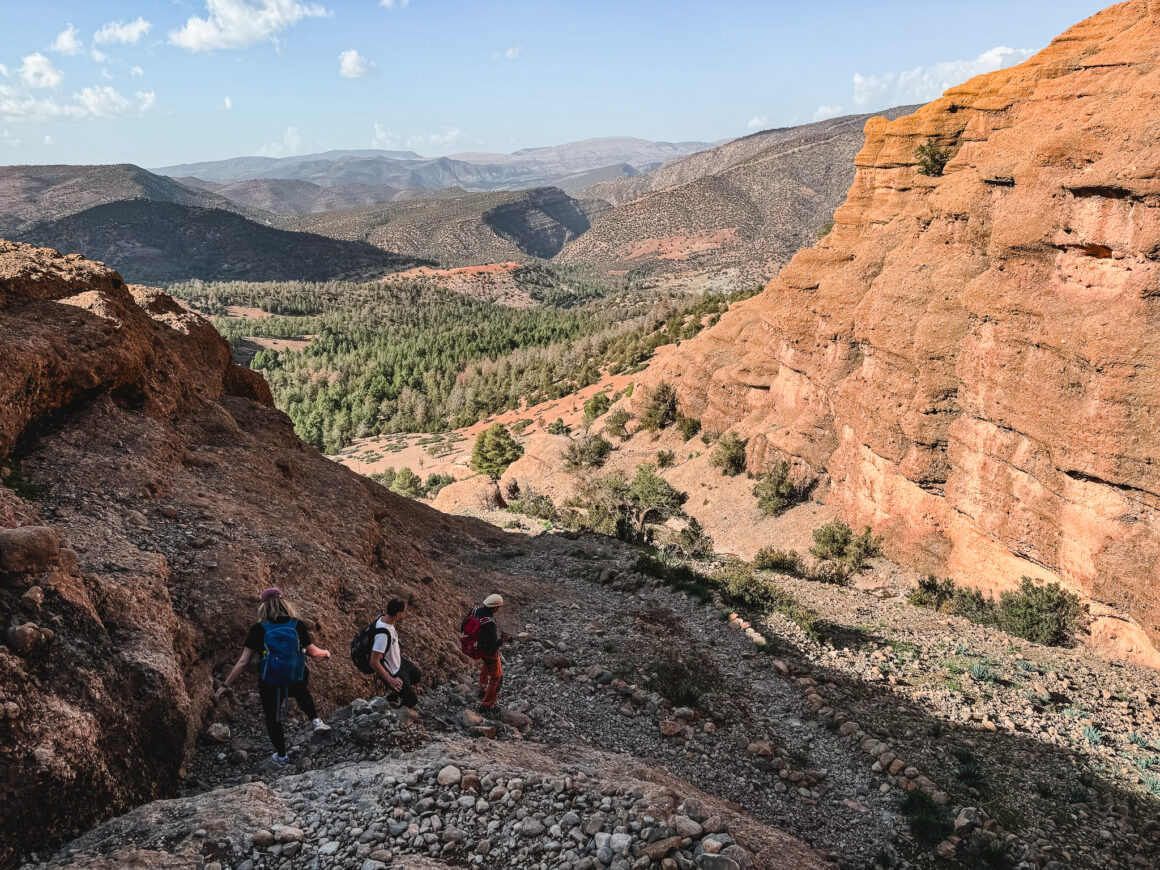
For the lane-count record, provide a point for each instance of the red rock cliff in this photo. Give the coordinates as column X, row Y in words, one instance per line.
column 972, row 359
column 153, row 491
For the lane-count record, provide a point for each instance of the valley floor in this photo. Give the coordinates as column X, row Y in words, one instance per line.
column 626, row 701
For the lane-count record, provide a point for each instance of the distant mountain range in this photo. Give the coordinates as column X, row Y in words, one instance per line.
column 735, row 211
column 743, row 207
column 559, row 165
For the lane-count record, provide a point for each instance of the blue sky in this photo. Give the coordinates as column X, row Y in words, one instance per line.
column 168, row 81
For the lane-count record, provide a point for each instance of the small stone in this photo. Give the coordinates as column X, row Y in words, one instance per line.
column 263, row 838
column 686, row 827
column 33, row 598
column 289, row 834
column 25, row 639
column 449, row 775
column 218, row 732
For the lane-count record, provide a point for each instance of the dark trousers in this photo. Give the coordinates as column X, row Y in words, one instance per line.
column 272, row 699
column 410, row 674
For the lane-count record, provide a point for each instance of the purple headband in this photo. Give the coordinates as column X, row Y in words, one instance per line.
column 272, row 592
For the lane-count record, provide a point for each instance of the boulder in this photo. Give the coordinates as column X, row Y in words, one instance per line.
column 28, row 548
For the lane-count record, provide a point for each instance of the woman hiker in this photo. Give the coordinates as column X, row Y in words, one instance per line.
column 281, row 641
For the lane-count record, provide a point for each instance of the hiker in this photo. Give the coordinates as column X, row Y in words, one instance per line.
column 375, row 650
column 281, row 641
column 480, row 638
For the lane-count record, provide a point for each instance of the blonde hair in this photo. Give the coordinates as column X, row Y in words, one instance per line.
column 274, row 608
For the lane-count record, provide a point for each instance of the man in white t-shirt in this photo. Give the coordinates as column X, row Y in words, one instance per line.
column 387, row 659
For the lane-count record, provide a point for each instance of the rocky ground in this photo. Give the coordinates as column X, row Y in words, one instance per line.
column 645, row 729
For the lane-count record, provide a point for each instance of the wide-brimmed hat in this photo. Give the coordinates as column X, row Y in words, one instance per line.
column 493, row 600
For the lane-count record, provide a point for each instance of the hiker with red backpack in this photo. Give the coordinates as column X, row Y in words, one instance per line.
column 281, row 641
column 480, row 638
column 375, row 650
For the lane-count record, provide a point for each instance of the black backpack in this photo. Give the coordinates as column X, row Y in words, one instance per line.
column 363, row 644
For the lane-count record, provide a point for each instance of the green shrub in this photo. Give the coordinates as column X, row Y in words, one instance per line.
column 436, row 482
column 836, row 542
column 385, row 478
column 1042, row 614
column 687, row 426
column 559, row 427
column 1093, row 735
column 932, row 158
column 591, row 451
column 829, row 571
column 22, row 486
column 520, row 425
column 729, row 455
column 494, row 451
column 660, row 409
column 775, row 491
column 596, row 407
column 407, row 483
column 973, row 605
column 981, row 672
column 534, row 504
column 681, row 682
column 666, row 458
column 617, row 424
column 932, row 592
column 628, row 390
column 825, row 229
column 692, row 542
column 783, row 561
column 928, row 821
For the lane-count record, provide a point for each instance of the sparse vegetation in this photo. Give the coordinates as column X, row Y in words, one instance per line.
column 616, row 506
column 665, row 458
column 617, row 424
column 729, row 455
column 1042, row 614
column 407, row 483
column 559, row 427
column 436, row 482
column 928, row 821
column 775, row 491
column 932, row 158
column 596, row 407
column 660, row 409
column 783, row 561
column 589, row 451
column 836, row 543
column 688, row 426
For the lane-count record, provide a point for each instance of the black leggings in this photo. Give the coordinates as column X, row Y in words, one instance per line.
column 410, row 674
column 272, row 697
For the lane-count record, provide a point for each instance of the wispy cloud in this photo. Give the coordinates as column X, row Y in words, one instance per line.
column 289, row 145
column 512, row 52
column 37, row 71
column 127, row 32
column 382, row 137
column 92, row 102
column 241, row 23
column 757, row 122
column 925, row 83
column 826, row 112
column 68, row 41
column 8, row 140
column 352, row 65
column 394, row 4
column 227, row 104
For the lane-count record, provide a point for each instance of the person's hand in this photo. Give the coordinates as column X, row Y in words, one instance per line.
column 323, row 654
column 221, row 691
column 396, row 684
column 505, row 637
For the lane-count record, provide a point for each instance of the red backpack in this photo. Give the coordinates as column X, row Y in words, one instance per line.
column 469, row 633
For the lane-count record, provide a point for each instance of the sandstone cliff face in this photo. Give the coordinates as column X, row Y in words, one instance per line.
column 971, row 359
column 153, row 491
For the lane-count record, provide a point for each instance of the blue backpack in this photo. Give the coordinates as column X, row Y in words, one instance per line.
column 283, row 662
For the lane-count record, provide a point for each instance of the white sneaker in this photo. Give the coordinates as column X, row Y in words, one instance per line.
column 319, row 725
column 280, row 760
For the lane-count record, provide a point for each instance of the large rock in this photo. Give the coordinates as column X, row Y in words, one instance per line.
column 970, row 360
column 150, row 417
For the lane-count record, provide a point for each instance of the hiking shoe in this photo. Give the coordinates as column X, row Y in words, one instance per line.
column 479, row 693
column 320, row 726
column 489, row 712
column 280, row 760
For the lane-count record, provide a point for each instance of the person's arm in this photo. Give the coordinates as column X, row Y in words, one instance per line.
column 379, row 668
column 316, row 652
column 246, row 658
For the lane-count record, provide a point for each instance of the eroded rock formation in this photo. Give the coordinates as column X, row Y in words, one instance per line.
column 971, row 359
column 152, row 491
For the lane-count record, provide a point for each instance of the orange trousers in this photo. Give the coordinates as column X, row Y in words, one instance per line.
column 490, row 680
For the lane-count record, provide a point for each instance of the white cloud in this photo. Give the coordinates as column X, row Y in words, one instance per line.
column 352, row 65
column 825, row 112
column 289, row 145
column 443, row 140
column 227, row 104
column 394, row 4
column 93, row 102
column 37, row 71
column 240, row 23
column 67, row 42
column 136, row 71
column 511, row 53
column 8, row 140
column 3, row 70
column 925, row 83
column 757, row 122
column 99, row 56
column 48, row 140
column 128, row 32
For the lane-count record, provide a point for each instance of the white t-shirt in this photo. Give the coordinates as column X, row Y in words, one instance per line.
column 393, row 659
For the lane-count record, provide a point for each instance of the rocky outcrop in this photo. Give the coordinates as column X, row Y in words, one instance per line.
column 151, row 491
column 970, row 360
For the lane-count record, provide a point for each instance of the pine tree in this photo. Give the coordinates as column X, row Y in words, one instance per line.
column 494, row 451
